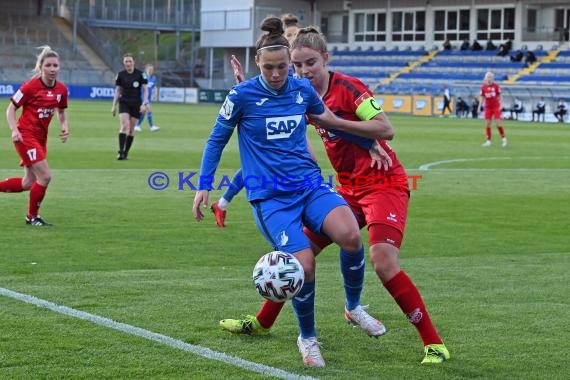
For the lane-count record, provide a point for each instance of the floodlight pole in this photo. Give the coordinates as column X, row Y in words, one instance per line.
column 193, row 46
column 74, row 38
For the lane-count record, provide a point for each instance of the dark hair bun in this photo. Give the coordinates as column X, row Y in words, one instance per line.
column 272, row 25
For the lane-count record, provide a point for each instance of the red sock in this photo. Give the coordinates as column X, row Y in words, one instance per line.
column 37, row 194
column 488, row 133
column 408, row 297
column 11, row 185
column 269, row 312
column 501, row 131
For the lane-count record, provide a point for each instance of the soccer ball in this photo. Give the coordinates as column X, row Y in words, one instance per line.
column 278, row 276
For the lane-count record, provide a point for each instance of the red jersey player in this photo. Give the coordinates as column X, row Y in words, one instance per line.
column 491, row 94
column 40, row 98
column 380, row 206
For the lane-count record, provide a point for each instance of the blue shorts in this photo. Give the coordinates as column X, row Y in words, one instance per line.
column 281, row 219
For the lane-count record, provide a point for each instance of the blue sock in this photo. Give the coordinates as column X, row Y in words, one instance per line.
column 304, row 307
column 352, row 266
column 235, row 188
column 139, row 122
column 149, row 118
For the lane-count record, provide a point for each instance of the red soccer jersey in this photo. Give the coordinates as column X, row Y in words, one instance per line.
column 492, row 95
column 352, row 162
column 39, row 102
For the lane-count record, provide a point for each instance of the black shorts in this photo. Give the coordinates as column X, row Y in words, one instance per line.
column 134, row 110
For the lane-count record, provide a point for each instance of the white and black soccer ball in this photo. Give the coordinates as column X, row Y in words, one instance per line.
column 278, row 276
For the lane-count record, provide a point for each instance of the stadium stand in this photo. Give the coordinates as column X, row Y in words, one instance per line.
column 28, row 24
column 371, row 66
column 551, row 72
column 22, row 33
column 407, row 72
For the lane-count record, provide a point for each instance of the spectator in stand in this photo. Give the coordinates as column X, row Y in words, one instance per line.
column 517, row 57
column 476, row 46
column 491, row 45
column 516, row 109
column 530, row 58
column 475, row 108
column 461, row 108
column 503, row 52
column 539, row 110
column 562, row 110
column 505, row 48
column 447, row 45
column 465, row 45
column 508, row 45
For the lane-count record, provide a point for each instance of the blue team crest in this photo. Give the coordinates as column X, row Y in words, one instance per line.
column 282, row 127
column 299, row 98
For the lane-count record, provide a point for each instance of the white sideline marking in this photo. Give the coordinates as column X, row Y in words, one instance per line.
column 166, row 340
column 429, row 165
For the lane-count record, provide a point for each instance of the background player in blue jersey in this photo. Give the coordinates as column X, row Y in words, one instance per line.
column 285, row 186
column 152, row 82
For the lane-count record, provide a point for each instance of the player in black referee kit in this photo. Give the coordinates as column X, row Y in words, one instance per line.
column 130, row 88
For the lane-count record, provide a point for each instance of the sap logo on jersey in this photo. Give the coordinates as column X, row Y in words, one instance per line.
column 281, row 127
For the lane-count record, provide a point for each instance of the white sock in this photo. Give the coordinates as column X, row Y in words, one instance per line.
column 223, row 204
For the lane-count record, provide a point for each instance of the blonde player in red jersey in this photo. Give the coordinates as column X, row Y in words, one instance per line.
column 40, row 98
column 491, row 94
column 380, row 206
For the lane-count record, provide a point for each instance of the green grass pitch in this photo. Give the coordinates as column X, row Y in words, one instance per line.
column 486, row 243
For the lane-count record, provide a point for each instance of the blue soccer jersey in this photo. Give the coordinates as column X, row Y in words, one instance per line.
column 271, row 134
column 151, row 84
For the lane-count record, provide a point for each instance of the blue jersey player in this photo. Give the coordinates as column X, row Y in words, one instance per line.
column 151, row 94
column 283, row 183
column 219, row 208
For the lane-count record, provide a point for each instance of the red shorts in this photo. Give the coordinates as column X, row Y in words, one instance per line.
column 31, row 150
column 494, row 112
column 384, row 212
column 388, row 207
